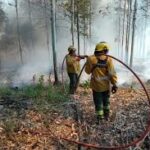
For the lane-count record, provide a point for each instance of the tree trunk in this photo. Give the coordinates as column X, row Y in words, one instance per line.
column 133, row 33
column 90, row 24
column 119, row 34
column 53, row 26
column 18, row 32
column 0, row 63
column 141, row 39
column 123, row 30
column 30, row 21
column 129, row 2
column 78, row 29
column 46, row 30
column 72, row 21
column 84, row 39
column 145, row 27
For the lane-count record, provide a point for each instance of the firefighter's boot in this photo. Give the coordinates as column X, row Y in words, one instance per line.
column 99, row 118
column 106, row 116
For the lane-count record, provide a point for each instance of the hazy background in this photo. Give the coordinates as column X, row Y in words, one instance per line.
column 36, row 55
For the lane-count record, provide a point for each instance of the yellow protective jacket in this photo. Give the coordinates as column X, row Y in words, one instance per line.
column 101, row 77
column 73, row 65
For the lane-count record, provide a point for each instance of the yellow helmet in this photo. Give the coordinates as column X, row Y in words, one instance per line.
column 71, row 48
column 102, row 46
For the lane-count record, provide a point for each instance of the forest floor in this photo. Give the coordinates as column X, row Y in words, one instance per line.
column 37, row 117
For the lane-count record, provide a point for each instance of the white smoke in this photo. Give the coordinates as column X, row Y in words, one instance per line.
column 103, row 29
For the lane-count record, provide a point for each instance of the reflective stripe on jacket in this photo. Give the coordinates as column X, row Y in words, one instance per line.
column 101, row 76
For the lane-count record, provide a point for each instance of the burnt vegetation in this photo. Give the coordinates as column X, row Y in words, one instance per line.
column 36, row 111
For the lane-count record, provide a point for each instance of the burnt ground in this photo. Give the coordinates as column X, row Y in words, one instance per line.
column 25, row 124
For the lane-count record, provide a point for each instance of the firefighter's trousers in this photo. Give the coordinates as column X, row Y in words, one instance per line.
column 102, row 103
column 73, row 80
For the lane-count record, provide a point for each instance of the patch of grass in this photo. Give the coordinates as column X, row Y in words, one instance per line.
column 42, row 98
column 37, row 91
column 85, row 84
column 57, row 94
column 5, row 91
column 50, row 93
column 41, row 80
column 33, row 91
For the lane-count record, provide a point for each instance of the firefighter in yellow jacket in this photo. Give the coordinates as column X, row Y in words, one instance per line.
column 73, row 67
column 102, row 73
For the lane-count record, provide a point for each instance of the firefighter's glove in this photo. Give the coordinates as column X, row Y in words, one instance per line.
column 114, row 89
column 83, row 57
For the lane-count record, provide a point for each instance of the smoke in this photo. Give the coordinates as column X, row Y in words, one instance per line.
column 35, row 66
column 36, row 56
column 105, row 27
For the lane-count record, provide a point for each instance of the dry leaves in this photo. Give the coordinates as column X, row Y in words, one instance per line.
column 129, row 114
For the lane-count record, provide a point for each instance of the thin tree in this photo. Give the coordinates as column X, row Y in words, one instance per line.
column 72, row 20
column 90, row 22
column 81, row 9
column 145, row 26
column 18, row 31
column 53, row 30
column 84, row 36
column 46, row 28
column 128, row 26
column 78, row 26
column 123, row 29
column 2, row 20
column 30, row 21
column 119, row 32
column 133, row 32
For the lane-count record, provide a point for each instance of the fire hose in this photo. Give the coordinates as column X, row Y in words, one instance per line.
column 135, row 142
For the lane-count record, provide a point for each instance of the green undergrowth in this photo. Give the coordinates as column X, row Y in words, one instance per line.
column 5, row 91
column 38, row 98
column 41, row 96
column 85, row 84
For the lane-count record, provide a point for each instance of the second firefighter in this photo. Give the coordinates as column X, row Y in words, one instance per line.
column 73, row 67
